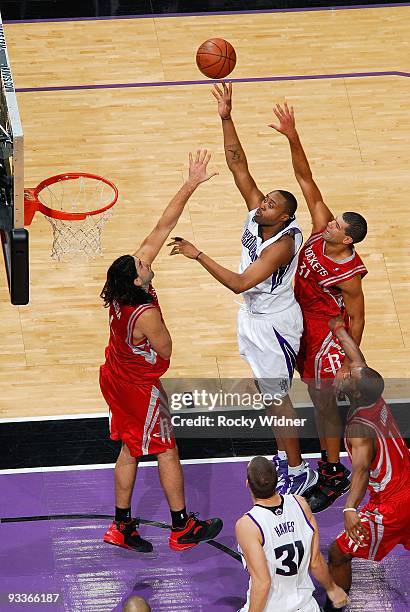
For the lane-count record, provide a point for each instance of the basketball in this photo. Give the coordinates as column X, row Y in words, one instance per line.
column 216, row 58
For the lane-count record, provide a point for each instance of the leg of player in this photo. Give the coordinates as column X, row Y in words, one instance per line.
column 340, row 567
column 294, row 474
column 333, row 475
column 125, row 473
column 122, row 532
column 328, row 422
column 187, row 530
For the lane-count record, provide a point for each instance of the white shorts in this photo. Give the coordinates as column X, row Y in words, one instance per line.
column 312, row 606
column 270, row 343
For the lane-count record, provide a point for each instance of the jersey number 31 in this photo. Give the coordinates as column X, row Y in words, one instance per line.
column 288, row 552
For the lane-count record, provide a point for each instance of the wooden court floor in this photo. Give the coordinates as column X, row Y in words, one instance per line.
column 356, row 131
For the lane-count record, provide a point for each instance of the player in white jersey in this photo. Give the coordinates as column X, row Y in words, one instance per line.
column 279, row 542
column 270, row 321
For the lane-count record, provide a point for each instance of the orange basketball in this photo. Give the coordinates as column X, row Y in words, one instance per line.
column 216, row 58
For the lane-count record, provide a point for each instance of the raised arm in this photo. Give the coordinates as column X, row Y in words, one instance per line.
column 250, row 541
column 319, row 212
column 349, row 345
column 274, row 256
column 198, row 174
column 234, row 153
column 318, row 565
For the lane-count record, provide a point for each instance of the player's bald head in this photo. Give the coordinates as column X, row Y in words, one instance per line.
column 262, row 477
column 136, row 604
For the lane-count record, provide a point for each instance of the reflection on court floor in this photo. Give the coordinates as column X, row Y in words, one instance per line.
column 68, row 557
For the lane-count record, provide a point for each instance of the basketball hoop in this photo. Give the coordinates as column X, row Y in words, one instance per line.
column 66, row 200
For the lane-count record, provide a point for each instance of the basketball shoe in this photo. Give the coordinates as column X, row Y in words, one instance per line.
column 195, row 531
column 334, row 481
column 281, row 466
column 299, row 483
column 125, row 534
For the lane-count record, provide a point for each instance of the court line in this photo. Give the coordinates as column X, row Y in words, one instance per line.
column 205, row 14
column 109, row 466
column 308, row 77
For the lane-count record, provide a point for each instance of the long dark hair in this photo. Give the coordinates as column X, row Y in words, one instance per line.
column 119, row 285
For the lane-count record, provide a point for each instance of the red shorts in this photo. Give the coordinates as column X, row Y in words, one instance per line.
column 139, row 415
column 320, row 354
column 388, row 524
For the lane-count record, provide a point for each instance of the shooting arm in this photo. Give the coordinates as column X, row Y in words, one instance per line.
column 250, row 541
column 270, row 260
column 238, row 165
column 234, row 153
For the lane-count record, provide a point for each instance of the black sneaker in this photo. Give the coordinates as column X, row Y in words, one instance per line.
column 333, row 482
column 124, row 534
column 195, row 531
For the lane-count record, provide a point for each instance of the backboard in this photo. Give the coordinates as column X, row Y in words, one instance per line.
column 13, row 235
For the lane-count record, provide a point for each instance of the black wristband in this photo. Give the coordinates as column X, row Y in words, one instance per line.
column 226, row 118
column 200, row 253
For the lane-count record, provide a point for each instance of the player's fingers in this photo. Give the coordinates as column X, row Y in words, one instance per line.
column 217, row 92
column 286, row 107
column 277, row 113
column 207, row 158
column 198, row 153
column 275, row 127
column 203, row 155
column 292, row 112
column 191, row 160
column 230, row 89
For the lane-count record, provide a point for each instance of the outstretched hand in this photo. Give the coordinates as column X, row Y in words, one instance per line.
column 224, row 98
column 286, row 117
column 198, row 167
column 183, row 247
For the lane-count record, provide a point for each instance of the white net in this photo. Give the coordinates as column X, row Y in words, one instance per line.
column 73, row 238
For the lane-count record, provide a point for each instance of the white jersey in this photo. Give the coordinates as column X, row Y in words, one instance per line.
column 274, row 294
column 286, row 539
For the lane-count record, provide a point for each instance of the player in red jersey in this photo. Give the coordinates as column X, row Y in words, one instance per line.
column 380, row 463
column 328, row 282
column 138, row 353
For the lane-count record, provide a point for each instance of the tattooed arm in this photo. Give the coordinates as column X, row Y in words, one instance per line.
column 234, row 153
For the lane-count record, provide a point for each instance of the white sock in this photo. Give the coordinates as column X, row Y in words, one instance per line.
column 282, row 455
column 296, row 471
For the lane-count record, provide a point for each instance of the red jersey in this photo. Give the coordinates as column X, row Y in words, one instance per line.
column 317, row 277
column 390, row 469
column 134, row 363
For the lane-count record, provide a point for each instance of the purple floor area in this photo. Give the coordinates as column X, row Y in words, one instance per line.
column 69, row 557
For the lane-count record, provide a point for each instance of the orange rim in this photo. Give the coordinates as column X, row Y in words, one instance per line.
column 33, row 204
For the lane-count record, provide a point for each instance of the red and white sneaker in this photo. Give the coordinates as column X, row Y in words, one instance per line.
column 125, row 534
column 194, row 532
